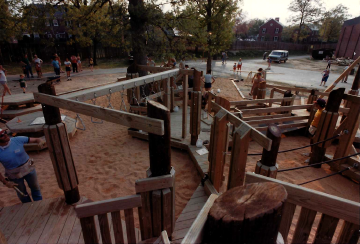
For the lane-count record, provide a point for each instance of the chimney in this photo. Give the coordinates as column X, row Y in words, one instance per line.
column 277, row 19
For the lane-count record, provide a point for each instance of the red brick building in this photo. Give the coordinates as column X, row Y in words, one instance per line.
column 271, row 31
column 349, row 40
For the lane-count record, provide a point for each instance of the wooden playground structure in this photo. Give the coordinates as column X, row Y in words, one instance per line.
column 227, row 125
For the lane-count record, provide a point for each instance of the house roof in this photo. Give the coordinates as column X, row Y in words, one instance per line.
column 273, row 20
column 353, row 21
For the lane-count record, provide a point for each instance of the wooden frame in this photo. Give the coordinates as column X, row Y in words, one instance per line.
column 271, row 110
column 155, row 183
column 150, row 125
column 255, row 101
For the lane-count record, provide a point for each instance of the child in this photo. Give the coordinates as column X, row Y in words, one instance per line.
column 67, row 68
column 269, row 63
column 234, row 67
column 325, row 77
column 256, row 81
column 209, row 79
column 22, row 83
column 56, row 66
column 239, row 65
column 91, row 64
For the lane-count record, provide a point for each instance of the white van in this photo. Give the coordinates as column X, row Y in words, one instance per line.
column 279, row 55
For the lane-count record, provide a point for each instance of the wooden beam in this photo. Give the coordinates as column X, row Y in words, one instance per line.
column 187, row 71
column 268, row 100
column 265, row 117
column 152, row 68
column 119, row 86
column 184, row 108
column 335, row 206
column 154, row 126
column 106, row 206
column 238, row 89
column 159, row 94
column 154, row 183
column 272, row 110
column 277, row 120
column 284, row 126
column 289, row 88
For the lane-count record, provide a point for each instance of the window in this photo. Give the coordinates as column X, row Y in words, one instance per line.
column 55, row 22
column 275, row 38
column 264, row 30
column 276, row 30
column 47, row 23
column 271, row 24
column 49, row 35
column 263, row 38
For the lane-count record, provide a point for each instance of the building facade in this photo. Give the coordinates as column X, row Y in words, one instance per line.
column 271, row 31
column 349, row 40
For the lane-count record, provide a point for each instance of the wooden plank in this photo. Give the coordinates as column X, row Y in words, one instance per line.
column 167, row 210
column 286, row 219
column 60, row 224
column 321, row 202
column 273, row 110
column 118, row 117
column 156, row 212
column 130, row 227
column 209, row 188
column 18, row 99
column 238, row 89
column 277, row 120
column 104, row 228
column 284, row 126
column 173, row 193
column 164, row 237
column 89, row 230
column 265, row 117
column 267, row 100
column 154, row 183
column 184, row 108
column 303, row 227
column 16, row 220
column 10, row 114
column 7, row 214
column 325, row 229
column 288, row 88
column 241, row 141
column 349, row 233
column 117, row 227
column 195, row 233
column 145, row 216
column 152, row 68
column 106, row 206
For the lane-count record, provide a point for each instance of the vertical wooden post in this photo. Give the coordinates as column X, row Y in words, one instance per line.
column 239, row 152
column 59, row 148
column 159, row 146
column 195, row 116
column 271, row 96
column 287, row 103
column 267, row 165
column 262, row 90
column 217, row 146
column 167, row 98
column 172, row 99
column 354, row 90
column 130, row 92
column 326, row 126
column 184, row 107
column 312, row 98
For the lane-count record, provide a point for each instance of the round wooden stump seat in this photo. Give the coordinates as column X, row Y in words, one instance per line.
column 246, row 214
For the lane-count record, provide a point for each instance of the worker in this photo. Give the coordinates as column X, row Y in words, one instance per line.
column 320, row 106
column 19, row 166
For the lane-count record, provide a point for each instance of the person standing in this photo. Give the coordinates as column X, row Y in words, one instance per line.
column 79, row 66
column 3, row 81
column 264, row 55
column 38, row 62
column 25, row 62
column 56, row 57
column 239, row 65
column 182, row 63
column 23, row 83
column 56, row 66
column 67, row 68
column 255, row 87
column 74, row 63
column 328, row 64
column 208, row 79
column 269, row 62
column 19, row 167
column 91, row 64
column 326, row 74
column 347, row 74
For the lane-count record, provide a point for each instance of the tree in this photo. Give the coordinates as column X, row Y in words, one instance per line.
column 332, row 22
column 305, row 12
column 254, row 26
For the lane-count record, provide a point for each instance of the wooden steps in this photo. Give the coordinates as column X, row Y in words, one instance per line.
column 10, row 114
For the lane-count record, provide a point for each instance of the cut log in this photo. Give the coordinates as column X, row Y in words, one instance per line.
column 246, row 214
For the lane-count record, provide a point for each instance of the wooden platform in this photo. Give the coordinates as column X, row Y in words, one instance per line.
column 47, row 221
column 10, row 114
column 189, row 214
column 19, row 99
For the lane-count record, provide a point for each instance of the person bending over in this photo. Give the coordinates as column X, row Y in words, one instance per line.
column 208, row 79
column 18, row 166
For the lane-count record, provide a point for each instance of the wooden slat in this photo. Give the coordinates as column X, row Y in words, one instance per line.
column 130, row 227
column 246, row 102
column 325, row 229
column 106, row 206
column 59, row 224
column 286, row 219
column 154, row 126
column 277, row 120
column 209, row 188
column 265, row 117
column 321, row 202
column 184, row 108
column 16, row 220
column 104, row 228
column 238, row 89
column 89, row 230
column 154, row 183
column 289, row 88
column 117, row 227
column 303, row 226
column 7, row 214
column 273, row 110
column 164, row 237
column 145, row 216
column 284, row 126
column 166, row 210
column 156, row 212
column 349, row 233
column 195, row 233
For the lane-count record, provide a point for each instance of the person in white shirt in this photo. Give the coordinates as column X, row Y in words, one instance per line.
column 68, row 68
column 38, row 62
column 182, row 63
column 3, row 81
column 239, row 64
column 208, row 79
column 346, row 76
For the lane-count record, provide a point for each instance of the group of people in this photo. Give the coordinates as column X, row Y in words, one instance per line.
column 74, row 63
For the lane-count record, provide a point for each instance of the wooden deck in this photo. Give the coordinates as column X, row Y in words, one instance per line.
column 189, row 214
column 19, row 99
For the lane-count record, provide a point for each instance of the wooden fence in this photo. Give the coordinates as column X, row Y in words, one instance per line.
column 267, row 45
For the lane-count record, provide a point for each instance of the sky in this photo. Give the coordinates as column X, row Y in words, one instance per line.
column 265, row 9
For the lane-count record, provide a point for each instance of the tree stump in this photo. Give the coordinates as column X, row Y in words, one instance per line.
column 246, row 214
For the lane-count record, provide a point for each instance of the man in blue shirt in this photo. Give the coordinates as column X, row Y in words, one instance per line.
column 56, row 65
column 18, row 166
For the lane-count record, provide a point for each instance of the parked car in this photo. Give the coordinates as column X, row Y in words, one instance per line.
column 279, row 55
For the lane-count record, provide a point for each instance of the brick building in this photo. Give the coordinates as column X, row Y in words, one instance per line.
column 349, row 40
column 271, row 31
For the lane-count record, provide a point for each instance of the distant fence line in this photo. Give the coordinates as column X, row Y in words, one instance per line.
column 269, row 45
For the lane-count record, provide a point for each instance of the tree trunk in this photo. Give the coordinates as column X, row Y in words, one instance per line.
column 95, row 49
column 209, row 30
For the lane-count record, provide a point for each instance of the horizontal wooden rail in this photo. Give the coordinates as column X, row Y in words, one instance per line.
column 318, row 201
column 150, row 125
column 106, row 206
column 155, row 183
column 260, row 138
column 182, row 90
column 152, row 68
column 277, row 120
column 159, row 94
column 351, row 98
column 119, row 86
column 284, row 126
column 271, row 110
column 272, row 116
column 285, row 99
column 319, row 93
column 344, row 110
column 289, row 88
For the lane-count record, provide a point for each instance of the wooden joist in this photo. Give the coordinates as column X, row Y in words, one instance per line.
column 273, row 110
column 268, row 100
column 238, row 89
column 285, row 126
column 277, row 120
column 154, row 126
